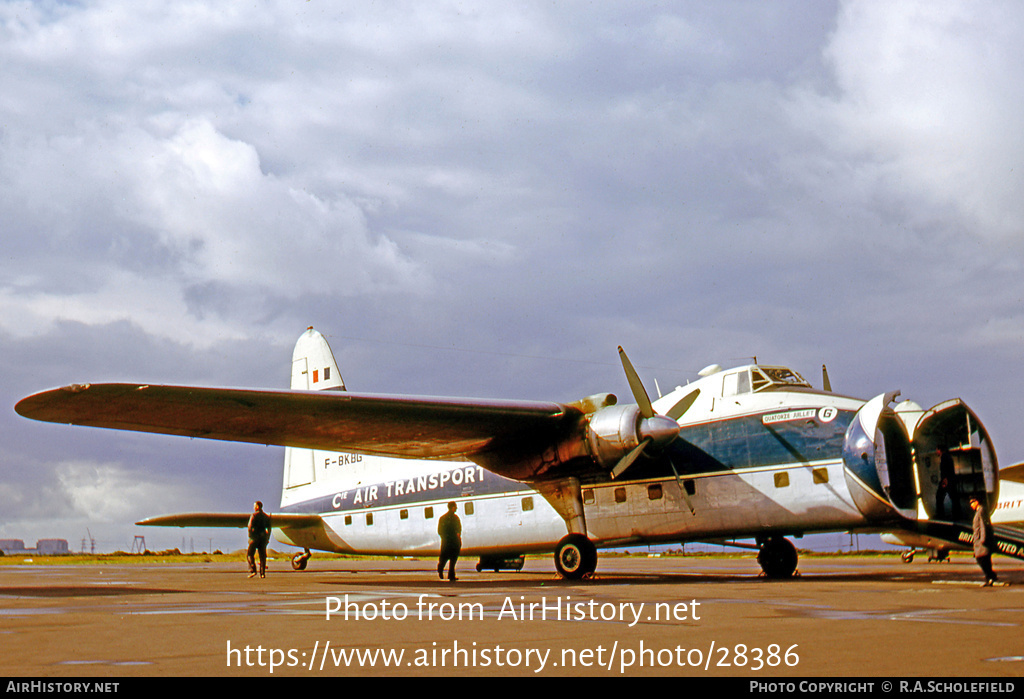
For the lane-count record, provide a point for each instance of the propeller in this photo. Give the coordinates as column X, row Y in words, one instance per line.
column 659, row 430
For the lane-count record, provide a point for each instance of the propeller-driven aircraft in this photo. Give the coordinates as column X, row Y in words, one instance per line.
column 752, row 452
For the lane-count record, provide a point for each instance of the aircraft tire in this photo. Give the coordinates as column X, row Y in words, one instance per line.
column 575, row 557
column 299, row 561
column 777, row 558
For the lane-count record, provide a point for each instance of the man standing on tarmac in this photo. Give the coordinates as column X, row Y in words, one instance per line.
column 984, row 540
column 947, row 486
column 449, row 527
column 259, row 537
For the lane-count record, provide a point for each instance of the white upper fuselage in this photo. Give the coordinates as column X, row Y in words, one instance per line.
column 1010, row 508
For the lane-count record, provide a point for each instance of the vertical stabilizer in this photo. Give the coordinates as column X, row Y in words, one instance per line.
column 313, row 365
column 313, row 369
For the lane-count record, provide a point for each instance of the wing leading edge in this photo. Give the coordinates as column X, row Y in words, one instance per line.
column 504, row 436
column 235, row 520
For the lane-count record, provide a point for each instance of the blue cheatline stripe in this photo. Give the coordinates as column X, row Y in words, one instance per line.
column 734, row 444
column 751, row 442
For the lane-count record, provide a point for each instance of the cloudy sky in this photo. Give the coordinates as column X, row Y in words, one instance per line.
column 485, row 199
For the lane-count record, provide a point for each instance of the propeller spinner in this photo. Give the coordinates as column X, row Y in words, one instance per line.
column 655, row 429
column 652, row 428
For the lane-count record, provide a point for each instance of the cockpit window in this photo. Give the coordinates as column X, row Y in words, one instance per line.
column 768, row 377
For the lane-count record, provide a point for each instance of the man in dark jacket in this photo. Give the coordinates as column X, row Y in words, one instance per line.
column 984, row 540
column 259, row 537
column 449, row 527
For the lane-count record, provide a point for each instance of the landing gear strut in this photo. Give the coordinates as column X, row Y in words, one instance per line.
column 777, row 557
column 575, row 557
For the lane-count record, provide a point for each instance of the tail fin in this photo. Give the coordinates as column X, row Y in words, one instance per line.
column 313, row 365
column 313, row 368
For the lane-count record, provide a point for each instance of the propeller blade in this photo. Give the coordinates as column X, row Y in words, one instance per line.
column 643, row 401
column 824, row 379
column 627, row 460
column 677, row 410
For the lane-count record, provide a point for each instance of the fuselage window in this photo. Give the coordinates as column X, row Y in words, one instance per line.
column 403, row 514
column 820, row 475
column 588, row 496
column 468, row 508
column 369, row 519
column 654, row 491
column 781, row 480
column 348, row 520
column 620, row 495
column 527, row 504
column 428, row 513
column 736, row 383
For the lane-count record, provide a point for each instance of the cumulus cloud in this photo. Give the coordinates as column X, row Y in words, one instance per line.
column 122, row 225
column 926, row 99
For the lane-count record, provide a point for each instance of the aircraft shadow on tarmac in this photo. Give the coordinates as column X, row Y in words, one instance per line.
column 473, row 581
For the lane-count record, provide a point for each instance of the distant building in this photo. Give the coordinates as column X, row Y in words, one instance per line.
column 44, row 547
column 9, row 546
column 52, row 547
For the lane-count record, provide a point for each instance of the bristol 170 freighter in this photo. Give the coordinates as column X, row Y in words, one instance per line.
column 752, row 452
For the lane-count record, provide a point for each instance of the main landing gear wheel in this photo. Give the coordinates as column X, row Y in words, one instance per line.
column 575, row 557
column 777, row 558
column 300, row 560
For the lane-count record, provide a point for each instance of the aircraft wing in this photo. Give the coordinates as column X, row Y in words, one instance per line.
column 221, row 519
column 495, row 433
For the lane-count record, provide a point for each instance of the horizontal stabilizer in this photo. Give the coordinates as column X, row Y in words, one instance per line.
column 229, row 519
column 1013, row 473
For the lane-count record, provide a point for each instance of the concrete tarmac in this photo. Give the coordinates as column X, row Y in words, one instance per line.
column 690, row 616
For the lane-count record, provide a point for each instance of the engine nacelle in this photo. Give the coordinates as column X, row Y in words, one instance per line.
column 612, row 433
